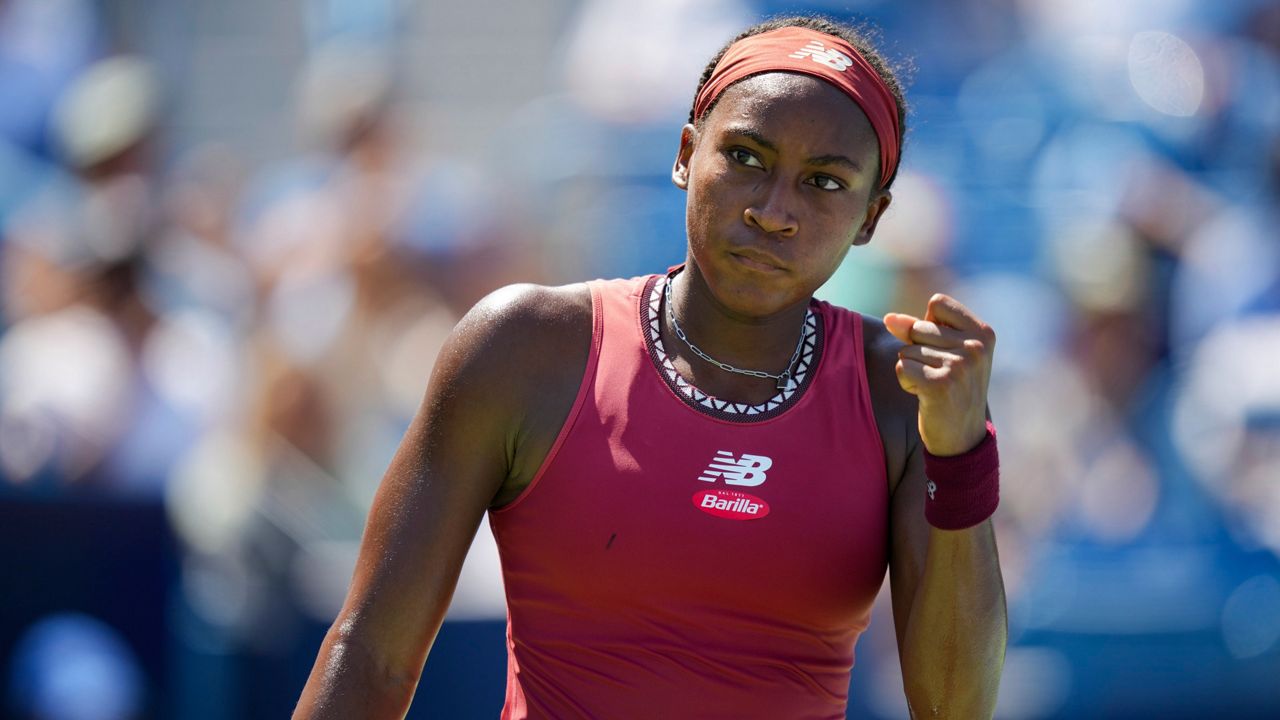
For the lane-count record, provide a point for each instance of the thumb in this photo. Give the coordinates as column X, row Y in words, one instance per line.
column 900, row 326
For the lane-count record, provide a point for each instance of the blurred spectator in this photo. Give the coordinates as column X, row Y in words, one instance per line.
column 72, row 261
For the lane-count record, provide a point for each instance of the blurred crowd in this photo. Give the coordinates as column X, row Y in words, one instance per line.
column 230, row 309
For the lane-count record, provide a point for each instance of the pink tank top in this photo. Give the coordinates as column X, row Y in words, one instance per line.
column 681, row 557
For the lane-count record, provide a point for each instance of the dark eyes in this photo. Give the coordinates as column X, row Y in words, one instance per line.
column 826, row 182
column 749, row 159
column 745, row 158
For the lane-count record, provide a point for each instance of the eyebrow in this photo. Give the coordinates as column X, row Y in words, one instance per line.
column 759, row 139
column 836, row 160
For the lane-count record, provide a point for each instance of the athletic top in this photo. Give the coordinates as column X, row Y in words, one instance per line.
column 677, row 556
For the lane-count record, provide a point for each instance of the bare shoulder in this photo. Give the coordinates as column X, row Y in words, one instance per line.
column 520, row 355
column 895, row 409
column 527, row 317
column 518, row 334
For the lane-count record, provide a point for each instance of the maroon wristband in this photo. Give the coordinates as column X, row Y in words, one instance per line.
column 963, row 490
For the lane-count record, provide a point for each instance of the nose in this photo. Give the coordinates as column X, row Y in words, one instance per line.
column 771, row 211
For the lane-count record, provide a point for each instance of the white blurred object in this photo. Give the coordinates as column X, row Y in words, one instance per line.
column 110, row 108
column 1231, row 375
column 1057, row 18
column 1073, row 17
column 214, row 492
column 192, row 360
column 633, row 62
column 72, row 368
column 1108, row 58
column 1223, row 424
column 1166, row 73
column 308, row 310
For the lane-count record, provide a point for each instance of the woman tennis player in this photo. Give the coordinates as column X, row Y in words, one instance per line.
column 697, row 479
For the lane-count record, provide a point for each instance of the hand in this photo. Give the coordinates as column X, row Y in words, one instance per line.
column 946, row 364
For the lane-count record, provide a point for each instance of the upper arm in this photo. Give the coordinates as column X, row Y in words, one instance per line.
column 895, row 411
column 908, row 538
column 451, row 464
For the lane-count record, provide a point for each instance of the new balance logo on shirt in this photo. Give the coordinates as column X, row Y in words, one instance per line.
column 748, row 471
column 819, row 53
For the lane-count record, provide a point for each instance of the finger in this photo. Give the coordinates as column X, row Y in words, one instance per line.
column 921, row 374
column 915, row 377
column 926, row 355
column 927, row 332
column 899, row 325
column 907, row 378
column 946, row 310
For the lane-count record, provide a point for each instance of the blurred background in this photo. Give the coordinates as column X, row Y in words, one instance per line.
column 233, row 235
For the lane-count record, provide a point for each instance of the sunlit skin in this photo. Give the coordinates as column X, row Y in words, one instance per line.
column 776, row 197
column 781, row 181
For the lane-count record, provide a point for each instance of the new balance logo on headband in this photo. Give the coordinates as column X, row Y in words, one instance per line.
column 748, row 471
column 819, row 53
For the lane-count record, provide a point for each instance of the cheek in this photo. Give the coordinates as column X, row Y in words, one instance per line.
column 708, row 201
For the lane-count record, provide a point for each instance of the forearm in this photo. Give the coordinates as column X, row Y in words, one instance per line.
column 349, row 681
column 954, row 642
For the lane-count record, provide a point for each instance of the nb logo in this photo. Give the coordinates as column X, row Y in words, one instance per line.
column 817, row 52
column 749, row 470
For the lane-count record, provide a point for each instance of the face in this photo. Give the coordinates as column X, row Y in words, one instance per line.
column 781, row 179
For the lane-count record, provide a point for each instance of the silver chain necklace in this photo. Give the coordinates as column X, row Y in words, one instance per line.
column 784, row 379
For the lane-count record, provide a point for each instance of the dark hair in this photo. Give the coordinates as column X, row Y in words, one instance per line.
column 856, row 37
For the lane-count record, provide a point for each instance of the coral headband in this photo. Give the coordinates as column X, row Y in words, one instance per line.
column 801, row 50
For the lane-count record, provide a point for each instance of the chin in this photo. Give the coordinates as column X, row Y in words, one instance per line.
column 750, row 295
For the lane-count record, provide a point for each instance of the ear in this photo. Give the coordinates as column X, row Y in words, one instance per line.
column 879, row 202
column 680, row 171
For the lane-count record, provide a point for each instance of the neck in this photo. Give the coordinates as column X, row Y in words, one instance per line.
column 765, row 343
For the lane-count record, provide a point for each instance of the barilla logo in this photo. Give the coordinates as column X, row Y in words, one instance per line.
column 730, row 504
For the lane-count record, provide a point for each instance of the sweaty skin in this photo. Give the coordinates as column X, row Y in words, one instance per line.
column 781, row 180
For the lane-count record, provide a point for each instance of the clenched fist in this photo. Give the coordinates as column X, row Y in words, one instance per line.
column 946, row 364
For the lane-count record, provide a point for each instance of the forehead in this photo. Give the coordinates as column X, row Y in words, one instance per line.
column 792, row 109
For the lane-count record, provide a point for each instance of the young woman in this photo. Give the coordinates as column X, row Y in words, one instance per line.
column 697, row 479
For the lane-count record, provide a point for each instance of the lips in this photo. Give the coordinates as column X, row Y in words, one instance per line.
column 757, row 259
